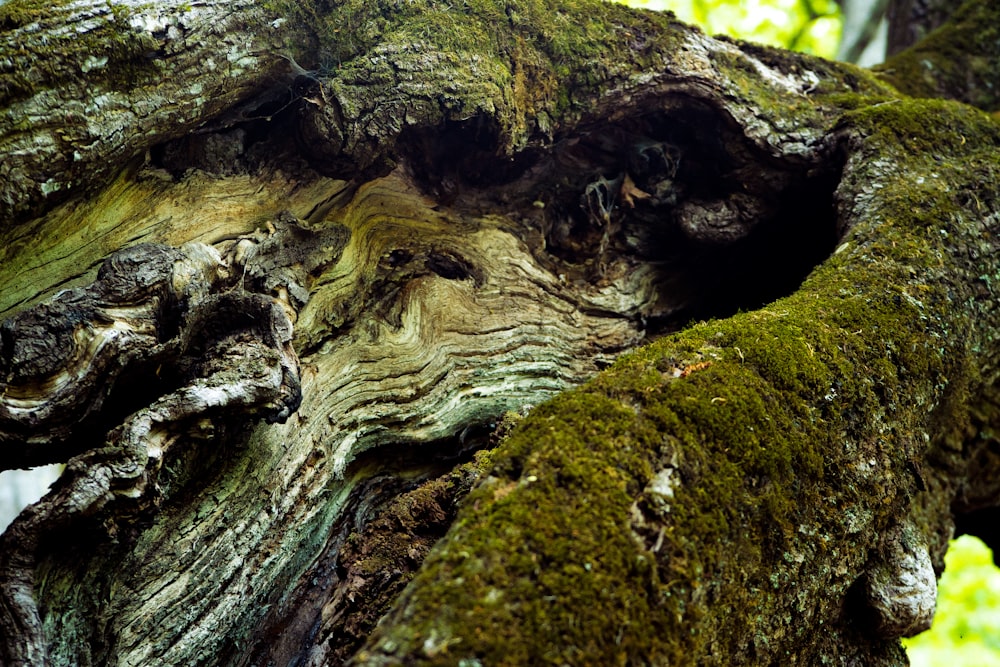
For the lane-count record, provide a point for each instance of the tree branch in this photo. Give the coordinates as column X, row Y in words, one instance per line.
column 958, row 61
column 487, row 204
column 788, row 460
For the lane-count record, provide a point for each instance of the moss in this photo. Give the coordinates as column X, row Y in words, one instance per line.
column 19, row 13
column 905, row 121
column 111, row 52
column 785, row 429
column 559, row 579
column 960, row 60
column 487, row 47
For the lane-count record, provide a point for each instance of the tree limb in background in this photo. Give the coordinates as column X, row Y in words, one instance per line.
column 912, row 20
column 957, row 61
column 861, row 23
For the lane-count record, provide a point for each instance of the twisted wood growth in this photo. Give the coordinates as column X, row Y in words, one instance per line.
column 160, row 329
column 417, row 329
column 462, row 210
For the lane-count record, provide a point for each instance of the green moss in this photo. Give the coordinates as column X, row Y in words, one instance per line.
column 559, row 579
column 960, row 60
column 112, row 52
column 19, row 13
column 905, row 121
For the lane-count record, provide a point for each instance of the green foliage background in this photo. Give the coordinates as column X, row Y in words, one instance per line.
column 812, row 26
column 966, row 631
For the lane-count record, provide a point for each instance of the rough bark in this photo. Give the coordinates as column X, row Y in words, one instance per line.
column 462, row 211
column 86, row 86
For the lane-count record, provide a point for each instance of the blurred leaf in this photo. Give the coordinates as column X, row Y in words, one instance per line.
column 966, row 631
column 812, row 26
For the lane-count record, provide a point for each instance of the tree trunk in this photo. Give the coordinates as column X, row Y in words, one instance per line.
column 957, row 61
column 912, row 20
column 308, row 298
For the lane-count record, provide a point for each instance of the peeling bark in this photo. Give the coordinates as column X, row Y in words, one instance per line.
column 422, row 218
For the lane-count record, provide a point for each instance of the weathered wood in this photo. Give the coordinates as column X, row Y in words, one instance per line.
column 86, row 86
column 446, row 322
column 161, row 329
column 464, row 211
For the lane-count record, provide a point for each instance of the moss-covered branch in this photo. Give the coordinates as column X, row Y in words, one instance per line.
column 88, row 86
column 724, row 492
column 470, row 207
column 958, row 61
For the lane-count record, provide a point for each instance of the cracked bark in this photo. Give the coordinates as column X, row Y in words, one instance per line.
column 461, row 214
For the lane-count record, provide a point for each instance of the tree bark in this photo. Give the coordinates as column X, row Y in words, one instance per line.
column 956, row 61
column 912, row 20
column 303, row 299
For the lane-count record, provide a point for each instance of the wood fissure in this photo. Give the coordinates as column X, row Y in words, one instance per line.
column 418, row 218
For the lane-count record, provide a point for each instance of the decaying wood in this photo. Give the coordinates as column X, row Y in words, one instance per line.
column 453, row 213
column 159, row 328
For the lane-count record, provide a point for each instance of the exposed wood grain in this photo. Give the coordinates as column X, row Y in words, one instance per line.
column 588, row 180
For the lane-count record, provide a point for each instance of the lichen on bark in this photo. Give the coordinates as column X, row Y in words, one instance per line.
column 488, row 203
column 783, row 429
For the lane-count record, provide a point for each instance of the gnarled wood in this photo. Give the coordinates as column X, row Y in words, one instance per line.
column 153, row 329
column 464, row 210
column 87, row 86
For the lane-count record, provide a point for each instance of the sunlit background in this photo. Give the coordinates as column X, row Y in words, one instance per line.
column 812, row 26
column 966, row 631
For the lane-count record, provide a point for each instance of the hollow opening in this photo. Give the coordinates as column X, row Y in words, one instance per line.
column 724, row 225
